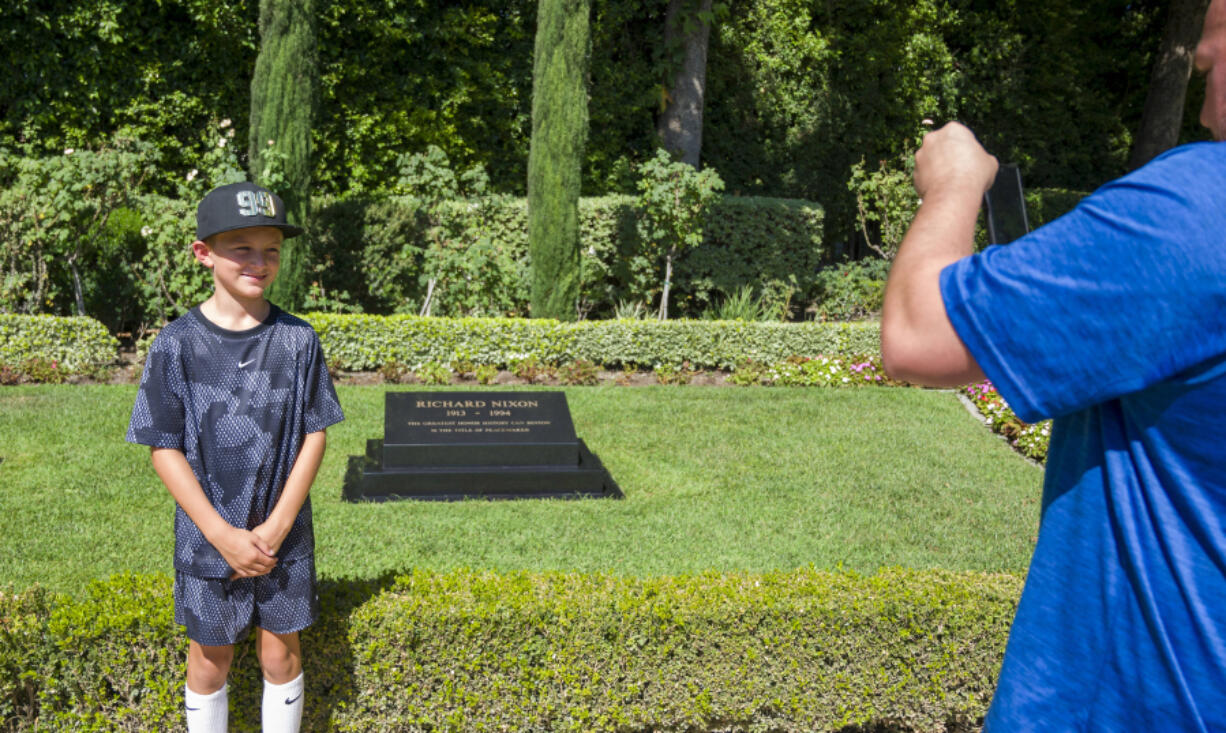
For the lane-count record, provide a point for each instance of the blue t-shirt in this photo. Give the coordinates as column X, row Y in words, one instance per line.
column 238, row 404
column 1112, row 320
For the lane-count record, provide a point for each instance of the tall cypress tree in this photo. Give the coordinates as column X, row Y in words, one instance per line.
column 559, row 132
column 284, row 94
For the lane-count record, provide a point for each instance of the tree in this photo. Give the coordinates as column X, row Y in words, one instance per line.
column 1168, row 85
column 673, row 202
column 284, row 93
column 687, row 30
column 555, row 157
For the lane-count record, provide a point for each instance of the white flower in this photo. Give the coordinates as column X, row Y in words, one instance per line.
column 270, row 141
column 224, row 123
column 191, row 176
column 69, row 151
column 230, row 134
column 221, row 142
column 146, row 231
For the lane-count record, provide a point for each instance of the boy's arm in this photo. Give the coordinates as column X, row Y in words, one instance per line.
column 274, row 529
column 246, row 552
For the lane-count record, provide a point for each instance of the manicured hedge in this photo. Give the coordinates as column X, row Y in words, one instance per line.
column 791, row 651
column 357, row 342
column 73, row 343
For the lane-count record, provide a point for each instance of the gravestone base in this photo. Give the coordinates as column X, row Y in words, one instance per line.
column 448, row 446
column 368, row 480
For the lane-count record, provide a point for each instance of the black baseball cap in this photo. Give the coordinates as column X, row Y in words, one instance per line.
column 241, row 205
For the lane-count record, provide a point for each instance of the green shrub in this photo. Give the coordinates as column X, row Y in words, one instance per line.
column 433, row 373
column 578, row 373
column 381, row 253
column 1048, row 204
column 74, row 344
column 803, row 650
column 357, row 342
column 851, row 290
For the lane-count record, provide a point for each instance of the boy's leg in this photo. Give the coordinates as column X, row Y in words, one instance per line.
column 217, row 613
column 286, row 602
column 280, row 655
column 281, row 660
column 205, row 699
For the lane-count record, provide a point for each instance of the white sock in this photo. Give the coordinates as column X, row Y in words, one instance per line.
column 282, row 708
column 207, row 713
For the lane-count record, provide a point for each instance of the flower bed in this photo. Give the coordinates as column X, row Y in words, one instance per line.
column 1029, row 439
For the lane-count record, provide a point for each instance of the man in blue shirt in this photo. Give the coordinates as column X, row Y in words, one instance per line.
column 1112, row 320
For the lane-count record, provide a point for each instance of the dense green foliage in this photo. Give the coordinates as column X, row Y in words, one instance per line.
column 284, row 95
column 380, row 254
column 798, row 91
column 55, row 213
column 555, row 157
column 75, row 344
column 368, row 342
column 465, row 650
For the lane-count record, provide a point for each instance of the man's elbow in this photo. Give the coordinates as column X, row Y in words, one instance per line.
column 900, row 359
column 940, row 360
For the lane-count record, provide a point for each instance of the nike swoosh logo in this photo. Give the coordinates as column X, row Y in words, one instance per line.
column 189, row 707
column 292, row 700
column 242, row 364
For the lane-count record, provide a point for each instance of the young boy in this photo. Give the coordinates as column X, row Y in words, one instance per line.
column 234, row 401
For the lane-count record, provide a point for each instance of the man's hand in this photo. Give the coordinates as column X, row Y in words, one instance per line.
column 952, row 161
column 246, row 552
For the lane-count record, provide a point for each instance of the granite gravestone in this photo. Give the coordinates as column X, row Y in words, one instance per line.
column 466, row 445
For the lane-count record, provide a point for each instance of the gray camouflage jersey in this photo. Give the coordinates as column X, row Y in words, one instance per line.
column 238, row 405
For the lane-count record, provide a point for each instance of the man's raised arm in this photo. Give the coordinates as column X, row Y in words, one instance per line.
column 918, row 342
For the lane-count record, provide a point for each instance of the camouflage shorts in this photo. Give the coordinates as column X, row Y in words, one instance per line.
column 219, row 611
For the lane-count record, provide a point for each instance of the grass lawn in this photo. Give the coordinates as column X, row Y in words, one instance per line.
column 715, row 479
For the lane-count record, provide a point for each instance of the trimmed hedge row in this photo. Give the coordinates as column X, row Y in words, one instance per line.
column 74, row 343
column 463, row 651
column 358, row 342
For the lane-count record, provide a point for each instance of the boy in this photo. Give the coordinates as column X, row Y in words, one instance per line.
column 234, row 401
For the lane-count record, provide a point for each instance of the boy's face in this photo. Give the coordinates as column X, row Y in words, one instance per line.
column 244, row 261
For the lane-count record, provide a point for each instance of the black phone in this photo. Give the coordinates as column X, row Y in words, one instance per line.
column 1005, row 203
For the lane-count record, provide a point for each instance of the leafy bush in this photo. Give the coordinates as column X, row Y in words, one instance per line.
column 54, row 214
column 76, row 345
column 885, row 202
column 578, row 373
column 381, row 254
column 851, row 290
column 1048, row 204
column 790, row 651
column 741, row 306
column 673, row 373
column 357, row 342
column 433, row 373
